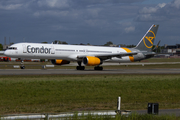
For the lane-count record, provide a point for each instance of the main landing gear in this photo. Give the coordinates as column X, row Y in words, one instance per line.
column 98, row 68
column 80, row 67
column 83, row 68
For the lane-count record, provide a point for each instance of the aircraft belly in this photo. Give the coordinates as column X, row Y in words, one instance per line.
column 119, row 60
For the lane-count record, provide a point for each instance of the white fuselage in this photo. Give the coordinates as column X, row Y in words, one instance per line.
column 64, row 52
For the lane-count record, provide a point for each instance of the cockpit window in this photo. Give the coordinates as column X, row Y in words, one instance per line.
column 12, row 48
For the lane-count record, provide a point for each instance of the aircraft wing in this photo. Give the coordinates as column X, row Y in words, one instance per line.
column 107, row 56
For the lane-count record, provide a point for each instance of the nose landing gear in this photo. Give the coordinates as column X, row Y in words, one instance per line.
column 22, row 65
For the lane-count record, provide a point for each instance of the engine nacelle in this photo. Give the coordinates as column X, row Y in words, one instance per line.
column 92, row 61
column 59, row 62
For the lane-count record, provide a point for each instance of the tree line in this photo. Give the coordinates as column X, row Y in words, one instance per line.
column 109, row 43
column 1, row 47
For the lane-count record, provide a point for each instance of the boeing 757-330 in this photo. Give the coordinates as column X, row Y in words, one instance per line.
column 88, row 55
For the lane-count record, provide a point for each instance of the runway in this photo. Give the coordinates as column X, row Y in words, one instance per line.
column 88, row 71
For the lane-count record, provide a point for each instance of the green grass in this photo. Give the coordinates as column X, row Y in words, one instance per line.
column 60, row 93
column 133, row 116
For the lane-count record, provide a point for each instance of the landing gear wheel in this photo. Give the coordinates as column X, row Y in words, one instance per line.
column 22, row 67
column 98, row 68
column 80, row 68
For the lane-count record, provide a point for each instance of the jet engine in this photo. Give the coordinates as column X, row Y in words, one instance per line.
column 92, row 61
column 59, row 62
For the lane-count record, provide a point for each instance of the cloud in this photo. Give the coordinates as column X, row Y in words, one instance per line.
column 94, row 12
column 11, row 6
column 51, row 13
column 161, row 12
column 161, row 5
column 176, row 4
column 73, row 20
column 86, row 21
column 54, row 3
column 129, row 29
column 150, row 18
column 149, row 10
column 91, row 2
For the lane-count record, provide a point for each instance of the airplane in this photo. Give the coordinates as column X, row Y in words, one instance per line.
column 88, row 55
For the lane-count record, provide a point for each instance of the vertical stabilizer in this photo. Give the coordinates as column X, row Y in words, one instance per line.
column 146, row 43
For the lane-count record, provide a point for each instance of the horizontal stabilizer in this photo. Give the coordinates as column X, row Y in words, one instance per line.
column 150, row 54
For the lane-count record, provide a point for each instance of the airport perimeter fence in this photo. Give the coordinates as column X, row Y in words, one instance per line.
column 57, row 116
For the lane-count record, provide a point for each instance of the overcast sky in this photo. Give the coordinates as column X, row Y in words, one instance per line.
column 88, row 21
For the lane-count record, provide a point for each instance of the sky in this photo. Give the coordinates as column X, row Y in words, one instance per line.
column 89, row 21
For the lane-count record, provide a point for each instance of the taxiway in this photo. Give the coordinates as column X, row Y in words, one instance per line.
column 88, row 71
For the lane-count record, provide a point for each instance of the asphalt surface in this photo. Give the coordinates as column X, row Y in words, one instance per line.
column 90, row 71
column 175, row 112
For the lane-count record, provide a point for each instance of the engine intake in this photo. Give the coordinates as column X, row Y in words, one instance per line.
column 59, row 62
column 92, row 61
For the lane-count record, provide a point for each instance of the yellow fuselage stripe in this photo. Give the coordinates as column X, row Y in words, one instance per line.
column 128, row 51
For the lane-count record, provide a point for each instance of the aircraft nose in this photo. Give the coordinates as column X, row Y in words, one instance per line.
column 6, row 53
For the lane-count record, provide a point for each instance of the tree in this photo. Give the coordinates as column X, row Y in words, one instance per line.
column 108, row 43
column 45, row 42
column 59, row 42
column 1, row 47
column 121, row 45
column 157, row 49
column 56, row 42
column 130, row 46
column 63, row 42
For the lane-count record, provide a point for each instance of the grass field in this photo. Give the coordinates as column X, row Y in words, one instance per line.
column 130, row 117
column 60, row 93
